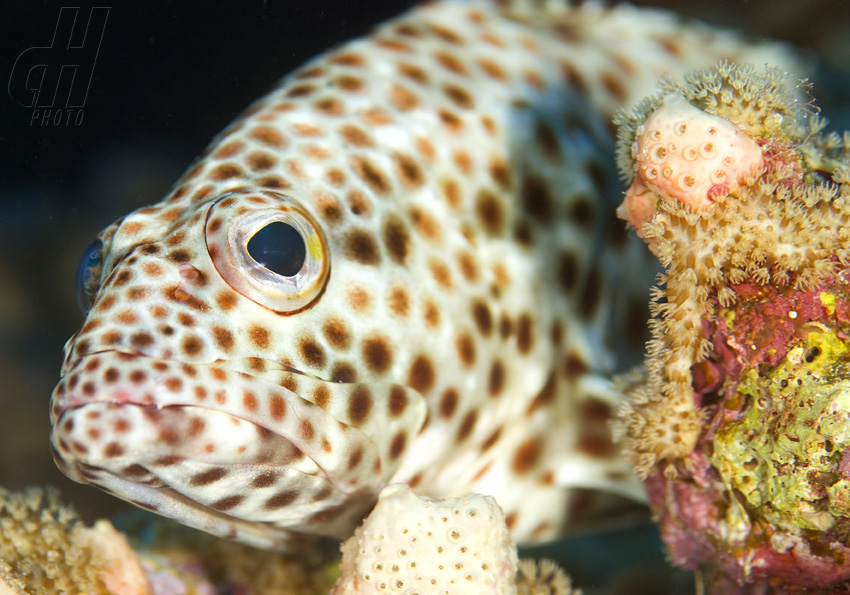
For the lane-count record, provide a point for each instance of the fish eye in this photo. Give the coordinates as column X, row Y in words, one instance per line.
column 88, row 275
column 279, row 247
column 268, row 249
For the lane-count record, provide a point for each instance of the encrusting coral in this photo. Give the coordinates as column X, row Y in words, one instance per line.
column 740, row 426
column 170, row 551
column 773, row 220
column 422, row 546
column 45, row 549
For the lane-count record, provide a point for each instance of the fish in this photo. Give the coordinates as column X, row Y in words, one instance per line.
column 402, row 265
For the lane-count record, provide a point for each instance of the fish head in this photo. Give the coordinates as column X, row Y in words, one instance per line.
column 203, row 385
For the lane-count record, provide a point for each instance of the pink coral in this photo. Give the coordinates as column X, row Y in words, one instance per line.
column 122, row 573
column 684, row 154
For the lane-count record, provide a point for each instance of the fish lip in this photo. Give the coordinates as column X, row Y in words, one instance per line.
column 168, row 501
column 154, row 488
column 78, row 459
column 231, row 380
column 206, row 518
column 61, row 403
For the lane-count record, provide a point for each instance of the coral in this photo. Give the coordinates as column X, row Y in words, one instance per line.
column 44, row 549
column 180, row 554
column 764, row 495
column 429, row 546
column 779, row 219
column 687, row 155
column 169, row 578
column 458, row 545
column 781, row 454
column 543, row 577
column 740, row 426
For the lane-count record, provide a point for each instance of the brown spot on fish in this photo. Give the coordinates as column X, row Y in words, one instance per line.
column 466, row 426
column 396, row 239
column 448, row 403
column 371, row 174
column 399, row 301
column 336, row 333
column 490, row 212
column 377, row 353
column 465, row 349
column 280, row 500
column 526, row 456
column 207, row 477
column 259, row 336
column 421, row 376
column 398, row 401
column 397, row 445
column 312, row 353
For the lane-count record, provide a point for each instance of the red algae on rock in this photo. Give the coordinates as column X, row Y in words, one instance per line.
column 765, row 320
column 741, row 429
column 764, row 493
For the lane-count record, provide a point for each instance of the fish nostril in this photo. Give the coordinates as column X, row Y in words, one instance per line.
column 189, row 273
column 178, row 294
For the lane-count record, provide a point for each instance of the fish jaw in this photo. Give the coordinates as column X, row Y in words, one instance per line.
column 251, row 456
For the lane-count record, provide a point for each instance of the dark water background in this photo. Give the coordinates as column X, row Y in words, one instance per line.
column 167, row 78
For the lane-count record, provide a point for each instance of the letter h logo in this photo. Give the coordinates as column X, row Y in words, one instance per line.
column 64, row 69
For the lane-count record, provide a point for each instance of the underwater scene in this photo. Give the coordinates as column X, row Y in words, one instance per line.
column 464, row 296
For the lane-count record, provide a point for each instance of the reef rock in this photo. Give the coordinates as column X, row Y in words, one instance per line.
column 740, row 427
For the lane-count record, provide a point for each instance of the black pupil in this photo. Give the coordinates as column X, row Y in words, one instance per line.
column 278, row 247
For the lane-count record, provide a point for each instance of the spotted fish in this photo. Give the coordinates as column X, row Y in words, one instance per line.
column 401, row 265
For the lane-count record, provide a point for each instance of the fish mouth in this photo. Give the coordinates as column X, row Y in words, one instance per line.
column 170, row 503
column 243, row 446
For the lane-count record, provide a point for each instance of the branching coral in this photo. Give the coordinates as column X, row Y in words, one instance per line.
column 740, row 427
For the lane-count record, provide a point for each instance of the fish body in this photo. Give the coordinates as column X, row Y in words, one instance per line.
column 401, row 265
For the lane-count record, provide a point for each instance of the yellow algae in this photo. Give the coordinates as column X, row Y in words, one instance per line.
column 828, row 300
column 783, row 455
